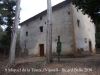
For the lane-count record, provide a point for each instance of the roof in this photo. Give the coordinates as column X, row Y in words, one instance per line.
column 58, row 6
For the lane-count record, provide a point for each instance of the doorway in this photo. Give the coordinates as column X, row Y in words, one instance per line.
column 90, row 46
column 41, row 49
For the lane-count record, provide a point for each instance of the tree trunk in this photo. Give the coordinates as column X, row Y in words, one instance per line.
column 4, row 53
column 49, row 33
column 14, row 35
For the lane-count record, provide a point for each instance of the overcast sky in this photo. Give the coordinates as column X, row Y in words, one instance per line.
column 33, row 7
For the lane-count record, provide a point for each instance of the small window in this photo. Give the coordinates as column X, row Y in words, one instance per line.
column 45, row 22
column 27, row 33
column 41, row 18
column 78, row 22
column 58, row 38
column 41, row 28
column 68, row 13
column 26, row 25
column 85, row 39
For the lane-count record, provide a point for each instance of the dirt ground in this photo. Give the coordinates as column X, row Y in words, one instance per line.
column 68, row 65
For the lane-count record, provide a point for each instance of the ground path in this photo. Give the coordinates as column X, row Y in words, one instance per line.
column 80, row 65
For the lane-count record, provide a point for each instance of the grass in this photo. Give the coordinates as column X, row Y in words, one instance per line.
column 33, row 65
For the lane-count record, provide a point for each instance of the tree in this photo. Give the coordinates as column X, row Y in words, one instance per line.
column 91, row 8
column 7, row 14
column 1, row 32
column 49, row 33
column 98, row 36
column 14, row 35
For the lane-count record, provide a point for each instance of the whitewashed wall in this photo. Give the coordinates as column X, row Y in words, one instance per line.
column 62, row 26
column 86, row 30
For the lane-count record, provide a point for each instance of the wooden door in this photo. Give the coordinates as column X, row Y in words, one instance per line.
column 41, row 49
column 90, row 46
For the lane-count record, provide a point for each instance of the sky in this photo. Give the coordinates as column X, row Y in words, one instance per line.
column 29, row 8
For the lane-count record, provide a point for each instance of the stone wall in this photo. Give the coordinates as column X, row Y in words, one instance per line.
column 84, row 30
column 62, row 26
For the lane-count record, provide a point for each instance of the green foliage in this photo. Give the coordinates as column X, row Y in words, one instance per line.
column 98, row 40
column 1, row 33
column 98, row 35
column 33, row 65
column 90, row 7
column 6, row 10
column 5, row 42
column 7, row 14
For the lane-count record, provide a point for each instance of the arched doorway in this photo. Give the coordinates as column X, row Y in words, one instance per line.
column 90, row 46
